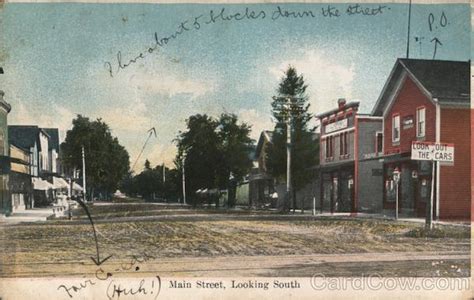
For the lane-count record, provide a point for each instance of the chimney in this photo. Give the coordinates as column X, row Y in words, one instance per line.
column 2, row 93
column 341, row 102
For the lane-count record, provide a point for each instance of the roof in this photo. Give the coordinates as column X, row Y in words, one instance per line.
column 23, row 136
column 266, row 135
column 335, row 110
column 53, row 138
column 445, row 82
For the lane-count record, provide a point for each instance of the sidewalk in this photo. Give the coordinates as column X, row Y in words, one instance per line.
column 29, row 215
column 381, row 216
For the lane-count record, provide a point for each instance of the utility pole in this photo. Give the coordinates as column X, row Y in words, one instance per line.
column 288, row 158
column 291, row 102
column 164, row 173
column 408, row 33
column 429, row 211
column 184, row 181
column 84, row 174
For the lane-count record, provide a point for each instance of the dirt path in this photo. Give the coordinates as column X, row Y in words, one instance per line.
column 457, row 263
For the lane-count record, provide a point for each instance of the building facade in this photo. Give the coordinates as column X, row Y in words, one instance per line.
column 427, row 101
column 5, row 200
column 36, row 141
column 261, row 183
column 21, row 187
column 350, row 166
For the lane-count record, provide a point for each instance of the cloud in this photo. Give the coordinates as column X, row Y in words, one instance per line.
column 57, row 117
column 157, row 154
column 259, row 121
column 171, row 85
column 327, row 79
column 127, row 119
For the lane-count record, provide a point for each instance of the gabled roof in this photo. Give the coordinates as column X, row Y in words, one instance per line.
column 266, row 135
column 53, row 138
column 25, row 136
column 444, row 82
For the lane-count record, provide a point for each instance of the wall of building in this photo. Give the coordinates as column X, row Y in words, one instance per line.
column 455, row 181
column 5, row 200
column 410, row 97
column 44, row 154
column 370, row 169
column 242, row 194
column 370, row 191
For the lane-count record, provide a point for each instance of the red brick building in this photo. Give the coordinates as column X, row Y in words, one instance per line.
column 427, row 100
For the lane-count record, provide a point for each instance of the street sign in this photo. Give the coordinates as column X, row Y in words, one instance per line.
column 432, row 151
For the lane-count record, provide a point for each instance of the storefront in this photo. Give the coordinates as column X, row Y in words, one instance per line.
column 414, row 187
column 338, row 189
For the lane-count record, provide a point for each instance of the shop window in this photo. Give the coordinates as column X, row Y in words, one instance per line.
column 420, row 122
column 396, row 128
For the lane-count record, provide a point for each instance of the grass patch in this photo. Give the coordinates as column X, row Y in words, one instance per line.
column 440, row 232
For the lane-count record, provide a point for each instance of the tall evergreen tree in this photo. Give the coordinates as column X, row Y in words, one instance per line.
column 292, row 101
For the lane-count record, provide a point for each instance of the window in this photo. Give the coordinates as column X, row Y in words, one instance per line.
column 379, row 142
column 326, row 152
column 341, row 144
column 329, row 146
column 420, row 122
column 2, row 143
column 396, row 128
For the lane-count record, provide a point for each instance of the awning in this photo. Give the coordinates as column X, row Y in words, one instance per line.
column 59, row 183
column 41, row 185
column 77, row 187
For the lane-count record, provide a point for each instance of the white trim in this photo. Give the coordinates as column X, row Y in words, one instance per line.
column 418, row 135
column 438, row 138
column 418, row 83
column 396, row 140
column 395, row 93
column 369, row 117
column 337, row 132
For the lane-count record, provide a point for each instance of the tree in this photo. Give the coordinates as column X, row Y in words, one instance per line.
column 235, row 146
column 292, row 100
column 107, row 162
column 198, row 153
column 214, row 153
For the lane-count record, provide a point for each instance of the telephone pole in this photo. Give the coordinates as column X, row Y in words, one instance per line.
column 84, row 174
column 184, row 180
column 291, row 103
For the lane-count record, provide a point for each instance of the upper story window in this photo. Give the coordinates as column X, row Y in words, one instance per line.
column 396, row 128
column 343, row 143
column 379, row 142
column 329, row 146
column 420, row 122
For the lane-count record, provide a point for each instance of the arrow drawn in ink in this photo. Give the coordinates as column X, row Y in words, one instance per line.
column 151, row 131
column 437, row 42
column 97, row 260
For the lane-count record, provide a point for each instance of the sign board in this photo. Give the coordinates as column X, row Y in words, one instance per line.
column 432, row 151
column 338, row 125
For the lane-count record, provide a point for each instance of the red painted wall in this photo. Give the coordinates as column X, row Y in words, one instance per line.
column 408, row 100
column 472, row 169
column 455, row 181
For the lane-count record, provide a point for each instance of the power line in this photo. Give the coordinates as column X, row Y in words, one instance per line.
column 151, row 131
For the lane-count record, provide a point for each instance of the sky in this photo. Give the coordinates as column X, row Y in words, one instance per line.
column 61, row 60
